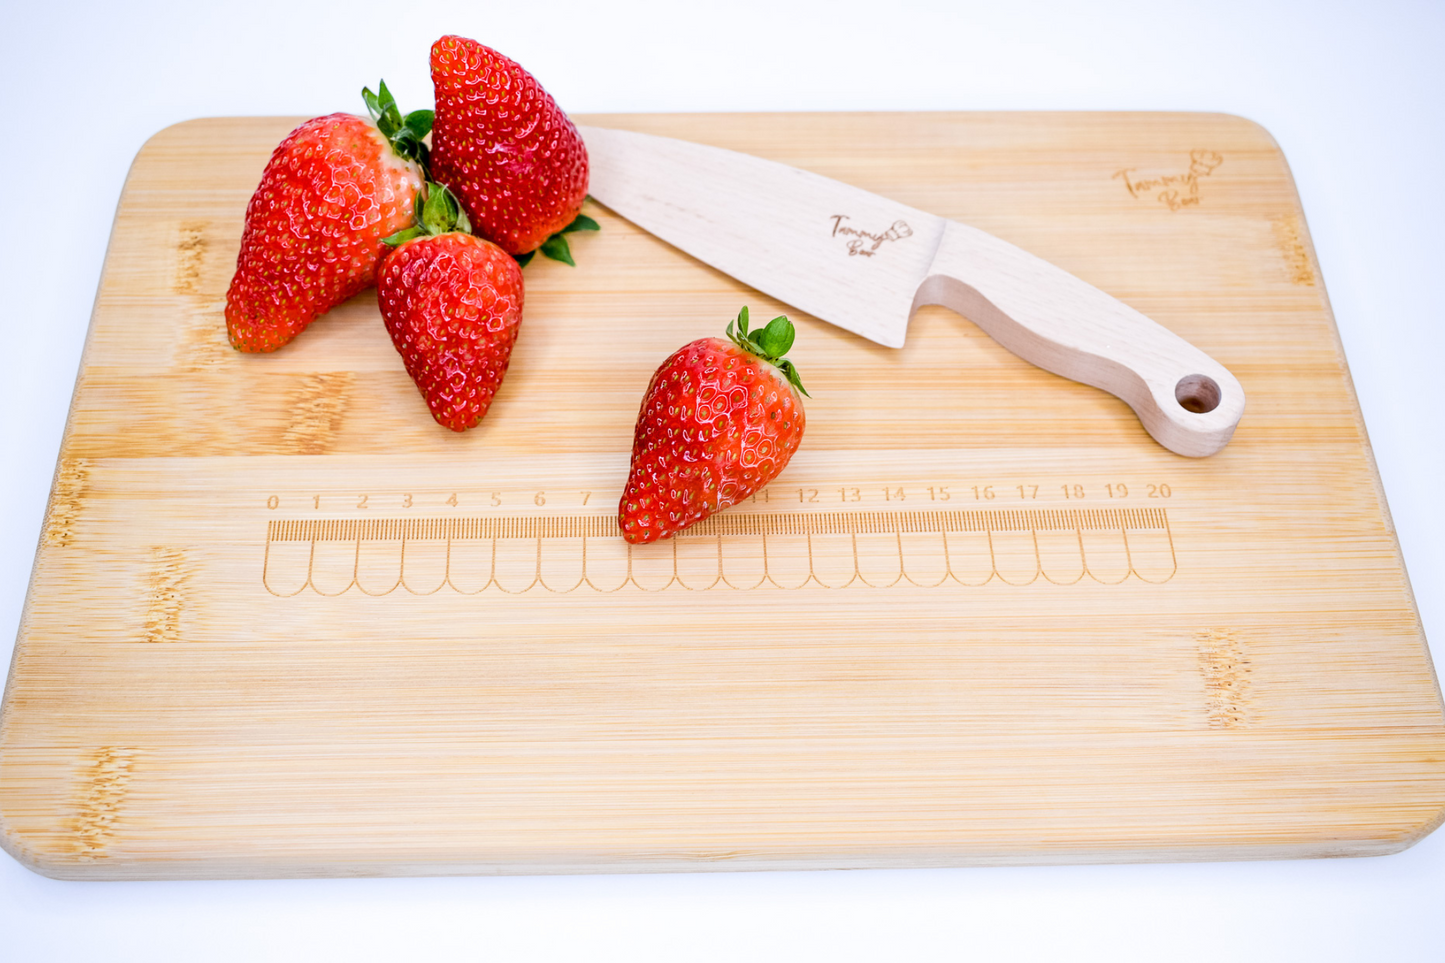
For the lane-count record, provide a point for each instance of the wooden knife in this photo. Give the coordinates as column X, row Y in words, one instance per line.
column 866, row 263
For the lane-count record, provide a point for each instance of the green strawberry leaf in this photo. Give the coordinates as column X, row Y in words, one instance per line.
column 402, row 236
column 776, row 338
column 404, row 133
column 389, row 109
column 524, row 259
column 556, row 248
column 438, row 213
column 404, row 142
column 433, row 212
column 582, row 223
column 791, row 373
column 442, row 210
column 419, row 122
column 373, row 107
column 740, row 339
column 384, row 112
column 769, row 343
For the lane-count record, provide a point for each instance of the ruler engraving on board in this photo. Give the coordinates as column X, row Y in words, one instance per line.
column 831, row 550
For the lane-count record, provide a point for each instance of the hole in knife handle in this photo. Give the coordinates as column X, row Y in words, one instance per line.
column 1197, row 393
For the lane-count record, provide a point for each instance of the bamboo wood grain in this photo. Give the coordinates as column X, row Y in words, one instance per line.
column 281, row 624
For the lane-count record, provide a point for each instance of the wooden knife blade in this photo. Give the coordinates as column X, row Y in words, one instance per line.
column 866, row 263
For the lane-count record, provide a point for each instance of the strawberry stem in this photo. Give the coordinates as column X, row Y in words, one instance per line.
column 769, row 343
column 438, row 213
column 404, row 133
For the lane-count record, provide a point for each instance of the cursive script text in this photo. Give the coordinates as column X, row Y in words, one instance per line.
column 1173, row 190
column 866, row 243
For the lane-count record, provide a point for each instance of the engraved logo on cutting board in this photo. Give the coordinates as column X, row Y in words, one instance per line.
column 823, row 550
column 1174, row 191
column 864, row 243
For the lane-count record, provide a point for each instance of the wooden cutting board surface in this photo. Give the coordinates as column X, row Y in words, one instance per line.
column 282, row 624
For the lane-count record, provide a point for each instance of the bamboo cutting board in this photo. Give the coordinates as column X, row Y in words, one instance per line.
column 282, row 624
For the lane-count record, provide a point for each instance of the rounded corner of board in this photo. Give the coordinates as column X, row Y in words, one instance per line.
column 15, row 847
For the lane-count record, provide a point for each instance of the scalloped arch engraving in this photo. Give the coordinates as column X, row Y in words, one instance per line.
column 827, row 550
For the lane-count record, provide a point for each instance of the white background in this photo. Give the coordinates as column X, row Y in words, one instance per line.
column 1352, row 92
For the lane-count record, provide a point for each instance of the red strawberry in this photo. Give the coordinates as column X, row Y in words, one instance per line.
column 332, row 190
column 452, row 303
column 506, row 149
column 719, row 421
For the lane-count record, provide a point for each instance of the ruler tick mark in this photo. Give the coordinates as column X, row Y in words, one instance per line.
column 565, row 553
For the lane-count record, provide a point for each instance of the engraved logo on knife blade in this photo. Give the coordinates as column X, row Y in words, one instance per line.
column 866, row 243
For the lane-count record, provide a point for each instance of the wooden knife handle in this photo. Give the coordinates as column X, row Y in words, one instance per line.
column 1188, row 401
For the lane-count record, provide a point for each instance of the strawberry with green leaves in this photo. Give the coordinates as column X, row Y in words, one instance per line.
column 720, row 419
column 512, row 157
column 333, row 189
column 452, row 303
